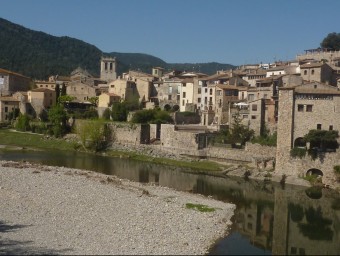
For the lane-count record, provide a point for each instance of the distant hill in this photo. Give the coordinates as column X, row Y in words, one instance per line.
column 37, row 54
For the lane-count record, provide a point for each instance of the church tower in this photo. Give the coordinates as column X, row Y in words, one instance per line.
column 108, row 69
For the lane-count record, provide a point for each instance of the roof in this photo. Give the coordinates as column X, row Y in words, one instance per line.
column 227, row 87
column 42, row 90
column 312, row 65
column 276, row 68
column 111, row 94
column 11, row 73
column 316, row 91
column 8, row 98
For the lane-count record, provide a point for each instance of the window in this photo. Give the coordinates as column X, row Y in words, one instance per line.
column 331, row 127
column 219, row 92
column 245, row 116
column 315, row 86
column 318, row 126
column 312, row 71
column 309, row 108
column 211, row 91
column 6, row 109
column 105, row 65
column 110, row 65
column 251, row 97
column 206, row 90
column 305, row 72
column 184, row 94
column 199, row 100
column 199, row 91
column 169, row 97
column 253, row 117
column 254, row 107
column 183, row 102
column 300, row 108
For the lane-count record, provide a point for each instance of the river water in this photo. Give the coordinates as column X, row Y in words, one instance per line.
column 269, row 219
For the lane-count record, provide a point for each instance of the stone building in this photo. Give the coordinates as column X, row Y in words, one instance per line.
column 108, row 67
column 302, row 108
column 318, row 72
column 41, row 99
column 8, row 104
column 10, row 82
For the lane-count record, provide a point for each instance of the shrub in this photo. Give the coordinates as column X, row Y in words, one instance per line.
column 298, row 152
column 23, row 123
column 107, row 114
column 336, row 169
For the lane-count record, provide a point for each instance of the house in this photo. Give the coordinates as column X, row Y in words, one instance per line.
column 105, row 100
column 125, row 89
column 8, row 105
column 10, row 82
column 81, row 91
column 318, row 72
column 312, row 105
column 41, row 99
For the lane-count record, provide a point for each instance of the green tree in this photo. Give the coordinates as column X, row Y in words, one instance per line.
column 65, row 98
column 57, row 116
column 107, row 114
column 119, row 111
column 239, row 133
column 322, row 139
column 151, row 116
column 23, row 123
column 331, row 41
column 95, row 135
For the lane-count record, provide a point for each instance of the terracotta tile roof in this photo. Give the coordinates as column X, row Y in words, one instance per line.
column 227, row 87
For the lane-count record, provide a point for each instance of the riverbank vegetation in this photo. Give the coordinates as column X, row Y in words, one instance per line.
column 30, row 140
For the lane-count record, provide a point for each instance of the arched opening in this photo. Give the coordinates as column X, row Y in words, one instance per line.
column 299, row 143
column 175, row 108
column 315, row 172
column 167, row 107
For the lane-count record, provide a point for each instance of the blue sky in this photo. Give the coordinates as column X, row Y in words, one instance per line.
column 178, row 31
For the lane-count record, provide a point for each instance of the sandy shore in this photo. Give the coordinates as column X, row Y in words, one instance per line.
column 56, row 210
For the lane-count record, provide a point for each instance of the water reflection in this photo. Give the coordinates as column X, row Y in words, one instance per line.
column 268, row 218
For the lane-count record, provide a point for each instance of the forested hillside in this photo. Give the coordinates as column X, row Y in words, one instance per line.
column 37, row 55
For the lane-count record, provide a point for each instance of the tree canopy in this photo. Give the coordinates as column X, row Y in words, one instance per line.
column 331, row 41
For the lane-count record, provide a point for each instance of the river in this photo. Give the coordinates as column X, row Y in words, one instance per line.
column 269, row 218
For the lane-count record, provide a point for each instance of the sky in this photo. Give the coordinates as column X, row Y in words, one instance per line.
column 233, row 32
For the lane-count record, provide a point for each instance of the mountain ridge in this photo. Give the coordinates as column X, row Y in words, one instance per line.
column 37, row 54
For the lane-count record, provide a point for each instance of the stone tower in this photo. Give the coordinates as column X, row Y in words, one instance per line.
column 108, row 69
column 285, row 127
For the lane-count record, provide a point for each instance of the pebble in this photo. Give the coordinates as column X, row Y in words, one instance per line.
column 58, row 213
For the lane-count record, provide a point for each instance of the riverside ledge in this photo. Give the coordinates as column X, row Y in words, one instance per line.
column 58, row 210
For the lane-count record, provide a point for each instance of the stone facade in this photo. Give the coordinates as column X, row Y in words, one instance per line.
column 108, row 69
column 7, row 105
column 11, row 82
column 302, row 108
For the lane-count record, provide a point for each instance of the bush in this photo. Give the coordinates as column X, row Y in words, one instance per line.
column 23, row 123
column 267, row 140
column 107, row 114
column 298, row 152
column 336, row 169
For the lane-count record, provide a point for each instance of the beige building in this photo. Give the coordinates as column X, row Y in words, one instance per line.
column 41, row 99
column 10, row 82
column 8, row 105
column 105, row 100
column 318, row 72
column 81, row 91
column 125, row 89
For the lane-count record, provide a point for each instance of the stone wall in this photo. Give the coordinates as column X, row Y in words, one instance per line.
column 126, row 133
column 299, row 167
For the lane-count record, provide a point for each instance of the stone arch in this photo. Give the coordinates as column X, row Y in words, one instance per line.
column 167, row 107
column 175, row 107
column 299, row 142
column 314, row 171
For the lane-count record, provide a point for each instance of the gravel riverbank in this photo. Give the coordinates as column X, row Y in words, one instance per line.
column 57, row 210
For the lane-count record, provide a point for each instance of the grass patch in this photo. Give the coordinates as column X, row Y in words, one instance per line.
column 32, row 140
column 200, row 207
column 195, row 165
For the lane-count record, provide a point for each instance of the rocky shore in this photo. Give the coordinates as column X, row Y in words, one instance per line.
column 57, row 210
